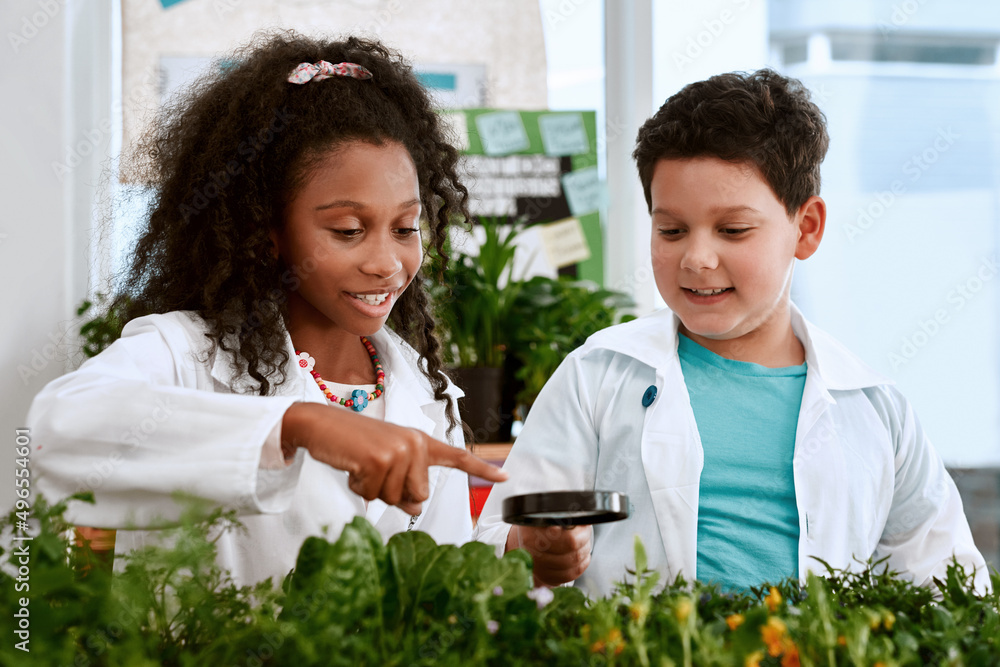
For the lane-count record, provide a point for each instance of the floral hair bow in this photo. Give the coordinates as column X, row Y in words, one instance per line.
column 307, row 72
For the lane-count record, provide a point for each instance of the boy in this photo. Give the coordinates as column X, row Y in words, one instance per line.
column 750, row 443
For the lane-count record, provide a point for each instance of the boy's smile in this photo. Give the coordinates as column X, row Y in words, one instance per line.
column 723, row 250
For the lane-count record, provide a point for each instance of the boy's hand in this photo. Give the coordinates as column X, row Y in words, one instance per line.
column 559, row 554
column 383, row 460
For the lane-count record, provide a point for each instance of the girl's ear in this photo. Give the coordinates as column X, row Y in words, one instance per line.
column 811, row 221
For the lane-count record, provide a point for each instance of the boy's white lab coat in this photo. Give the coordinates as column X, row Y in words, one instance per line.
column 156, row 413
column 867, row 481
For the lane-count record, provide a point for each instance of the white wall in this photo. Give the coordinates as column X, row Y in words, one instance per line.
column 41, row 261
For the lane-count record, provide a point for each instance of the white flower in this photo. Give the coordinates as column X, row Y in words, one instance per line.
column 304, row 361
column 541, row 595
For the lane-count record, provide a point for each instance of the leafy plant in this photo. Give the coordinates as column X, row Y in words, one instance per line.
column 553, row 317
column 476, row 297
column 358, row 601
column 489, row 317
column 104, row 327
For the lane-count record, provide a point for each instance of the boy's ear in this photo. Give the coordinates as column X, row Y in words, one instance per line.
column 811, row 220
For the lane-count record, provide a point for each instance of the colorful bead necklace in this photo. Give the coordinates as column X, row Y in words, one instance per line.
column 359, row 397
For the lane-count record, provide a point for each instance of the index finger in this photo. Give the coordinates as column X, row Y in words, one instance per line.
column 440, row 454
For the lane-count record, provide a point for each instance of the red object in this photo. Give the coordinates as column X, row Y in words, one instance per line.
column 477, row 498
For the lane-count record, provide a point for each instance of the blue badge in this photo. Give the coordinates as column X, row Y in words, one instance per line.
column 649, row 396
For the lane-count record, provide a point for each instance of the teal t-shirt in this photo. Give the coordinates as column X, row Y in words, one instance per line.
column 748, row 524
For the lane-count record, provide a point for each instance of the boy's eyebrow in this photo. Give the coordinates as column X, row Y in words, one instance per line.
column 350, row 203
column 716, row 210
column 734, row 209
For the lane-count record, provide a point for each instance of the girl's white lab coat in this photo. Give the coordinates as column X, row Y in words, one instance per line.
column 157, row 412
column 867, row 481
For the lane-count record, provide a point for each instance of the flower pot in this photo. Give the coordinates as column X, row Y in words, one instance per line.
column 481, row 409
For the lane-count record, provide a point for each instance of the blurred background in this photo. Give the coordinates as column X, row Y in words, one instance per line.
column 906, row 276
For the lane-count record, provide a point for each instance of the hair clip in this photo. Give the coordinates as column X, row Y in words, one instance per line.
column 306, row 72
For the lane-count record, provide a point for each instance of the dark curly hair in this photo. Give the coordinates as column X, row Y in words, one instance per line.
column 761, row 118
column 227, row 156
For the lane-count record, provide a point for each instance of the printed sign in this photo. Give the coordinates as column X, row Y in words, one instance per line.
column 563, row 134
column 502, row 133
column 584, row 190
column 564, row 242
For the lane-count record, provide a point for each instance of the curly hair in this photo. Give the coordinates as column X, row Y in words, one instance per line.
column 226, row 158
column 761, row 118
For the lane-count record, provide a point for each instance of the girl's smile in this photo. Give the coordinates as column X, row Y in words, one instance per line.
column 376, row 304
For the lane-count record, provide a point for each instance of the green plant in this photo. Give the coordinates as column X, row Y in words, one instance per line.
column 104, row 327
column 487, row 314
column 358, row 601
column 553, row 317
column 476, row 298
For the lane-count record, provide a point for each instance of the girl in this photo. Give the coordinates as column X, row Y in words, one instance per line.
column 285, row 234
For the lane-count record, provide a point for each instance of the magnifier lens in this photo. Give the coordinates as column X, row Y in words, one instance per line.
column 565, row 508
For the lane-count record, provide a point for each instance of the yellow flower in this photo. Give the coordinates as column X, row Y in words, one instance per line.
column 773, row 633
column 638, row 610
column 773, row 600
column 791, row 658
column 842, row 640
column 889, row 620
column 585, row 631
column 453, row 619
column 615, row 641
column 734, row 621
column 753, row 660
column 683, row 609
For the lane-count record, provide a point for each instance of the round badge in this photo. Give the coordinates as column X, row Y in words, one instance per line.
column 649, row 396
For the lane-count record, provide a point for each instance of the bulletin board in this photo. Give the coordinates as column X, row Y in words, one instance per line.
column 539, row 167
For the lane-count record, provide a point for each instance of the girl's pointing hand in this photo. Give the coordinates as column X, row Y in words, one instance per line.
column 383, row 460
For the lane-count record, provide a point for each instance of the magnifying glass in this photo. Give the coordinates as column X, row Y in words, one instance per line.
column 565, row 508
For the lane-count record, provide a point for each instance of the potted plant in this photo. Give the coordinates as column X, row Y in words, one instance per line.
column 505, row 336
column 551, row 318
column 472, row 306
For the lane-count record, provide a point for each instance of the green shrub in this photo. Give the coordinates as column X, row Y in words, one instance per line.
column 412, row 602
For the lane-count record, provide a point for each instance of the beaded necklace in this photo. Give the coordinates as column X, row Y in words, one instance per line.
column 359, row 397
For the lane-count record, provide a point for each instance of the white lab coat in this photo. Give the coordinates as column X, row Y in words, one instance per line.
column 868, row 483
column 158, row 412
